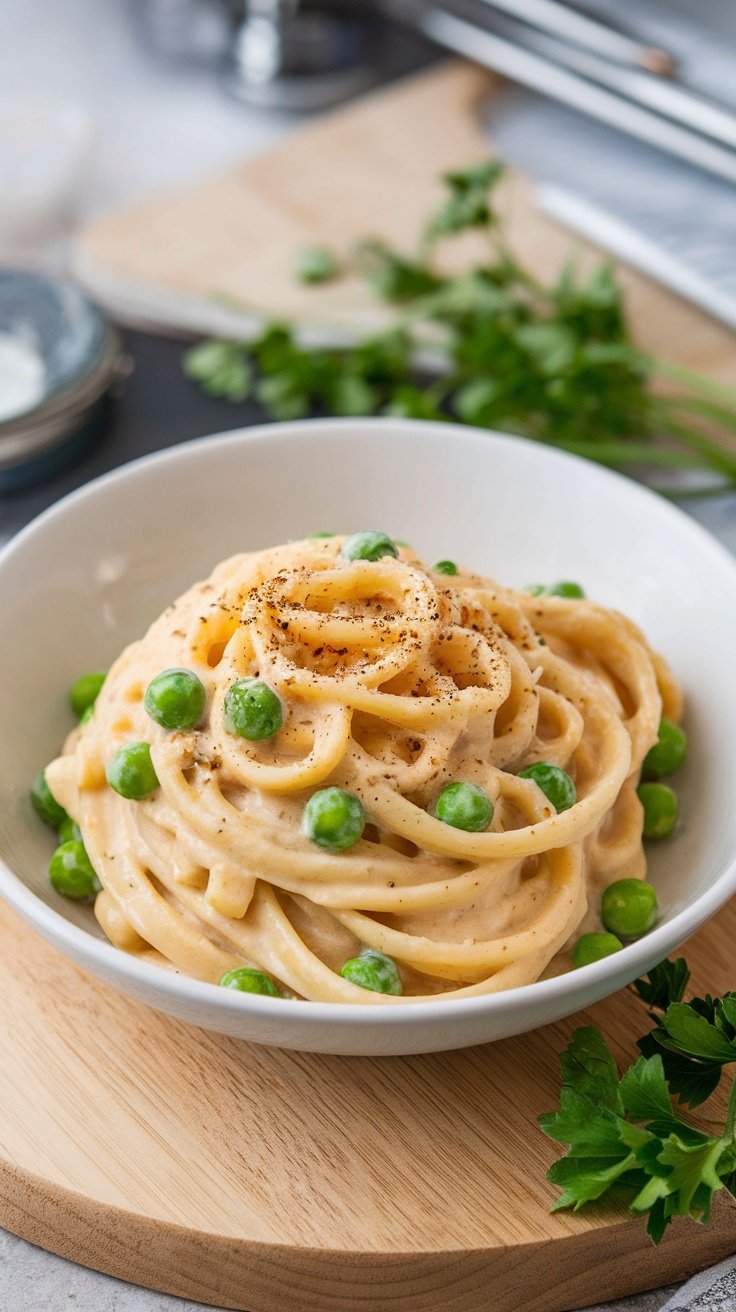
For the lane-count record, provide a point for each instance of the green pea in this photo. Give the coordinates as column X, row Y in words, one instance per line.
column 333, row 819
column 372, row 970
column 131, row 772
column 83, row 693
column 45, row 803
column 629, row 908
column 594, row 947
column 445, row 567
column 321, row 535
column 535, row 589
column 247, row 980
column 69, row 831
column 175, row 699
column 252, row 710
column 71, row 872
column 464, row 806
column 660, row 809
column 86, row 716
column 369, row 546
column 565, row 589
column 554, row 782
column 668, row 753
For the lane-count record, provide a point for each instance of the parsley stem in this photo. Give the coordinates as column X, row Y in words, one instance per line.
column 719, row 414
column 631, row 453
column 694, row 493
column 731, row 1113
column 679, row 373
column 524, row 276
column 439, row 391
column 716, row 456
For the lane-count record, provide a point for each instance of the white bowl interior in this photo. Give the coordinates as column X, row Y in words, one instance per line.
column 90, row 575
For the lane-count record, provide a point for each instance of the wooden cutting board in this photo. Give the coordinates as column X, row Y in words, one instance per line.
column 279, row 1182
column 271, row 1181
column 181, row 260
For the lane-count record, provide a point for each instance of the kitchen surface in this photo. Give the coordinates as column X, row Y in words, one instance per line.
column 114, row 108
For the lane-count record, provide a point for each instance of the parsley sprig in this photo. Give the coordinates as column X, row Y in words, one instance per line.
column 623, row 1133
column 695, row 1039
column 557, row 363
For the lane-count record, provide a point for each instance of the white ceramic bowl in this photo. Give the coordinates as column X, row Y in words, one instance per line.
column 91, row 573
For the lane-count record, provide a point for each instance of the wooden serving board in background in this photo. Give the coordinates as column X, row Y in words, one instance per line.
column 370, row 168
column 272, row 1181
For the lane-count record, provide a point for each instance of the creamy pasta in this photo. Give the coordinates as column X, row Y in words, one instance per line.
column 390, row 681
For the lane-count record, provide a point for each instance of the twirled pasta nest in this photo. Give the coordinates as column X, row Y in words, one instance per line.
column 395, row 680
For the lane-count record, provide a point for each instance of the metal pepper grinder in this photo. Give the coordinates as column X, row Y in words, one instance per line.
column 299, row 55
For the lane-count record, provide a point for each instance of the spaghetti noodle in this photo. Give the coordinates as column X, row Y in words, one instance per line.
column 395, row 680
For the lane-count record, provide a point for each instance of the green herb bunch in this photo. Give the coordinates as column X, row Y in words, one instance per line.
column 556, row 363
column 623, row 1134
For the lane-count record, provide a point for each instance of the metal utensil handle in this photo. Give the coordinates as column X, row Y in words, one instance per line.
column 664, row 96
column 590, row 33
column 532, row 70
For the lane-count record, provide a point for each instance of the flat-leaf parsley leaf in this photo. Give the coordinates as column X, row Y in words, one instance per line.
column 626, row 1133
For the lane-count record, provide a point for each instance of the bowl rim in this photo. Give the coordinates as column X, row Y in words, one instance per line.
column 110, row 961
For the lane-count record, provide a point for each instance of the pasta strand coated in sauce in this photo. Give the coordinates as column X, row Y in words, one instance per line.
column 395, row 681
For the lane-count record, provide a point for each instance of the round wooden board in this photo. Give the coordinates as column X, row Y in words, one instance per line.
column 257, row 1179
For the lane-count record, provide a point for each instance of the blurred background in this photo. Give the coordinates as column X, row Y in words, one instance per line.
column 620, row 118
